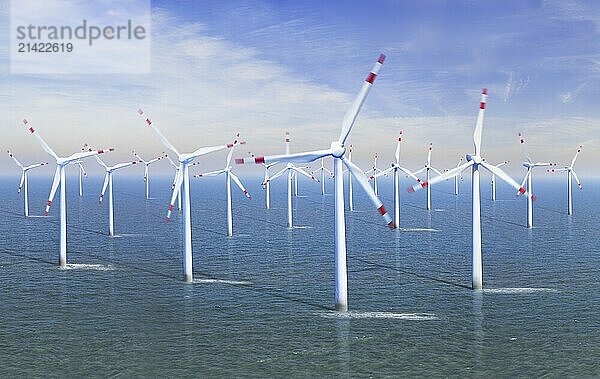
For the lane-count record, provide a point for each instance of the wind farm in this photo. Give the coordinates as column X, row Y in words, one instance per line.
column 304, row 190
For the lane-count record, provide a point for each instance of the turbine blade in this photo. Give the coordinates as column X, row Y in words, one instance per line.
column 240, row 185
column 504, row 176
column 138, row 157
column 502, row 164
column 81, row 168
column 407, row 172
column 145, row 172
column 356, row 172
column 477, row 134
column 397, row 153
column 277, row 175
column 352, row 113
column 210, row 173
column 172, row 163
column 40, row 140
column 429, row 154
column 577, row 179
column 305, row 157
column 176, row 190
column 104, row 185
column 382, row 173
column 14, row 159
column 55, row 184
column 77, row 156
column 301, row 171
column 525, row 178
column 206, row 150
column 440, row 178
column 161, row 137
column 575, row 157
column 436, row 171
column 123, row 165
column 100, row 162
column 524, row 147
column 22, row 180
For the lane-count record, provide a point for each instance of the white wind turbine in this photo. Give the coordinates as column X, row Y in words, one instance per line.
column 571, row 174
column 291, row 170
column 457, row 178
column 182, row 176
column 25, row 179
column 395, row 167
column 493, row 181
column 428, row 167
column 530, row 165
column 266, row 184
column 474, row 161
column 373, row 174
column 337, row 151
column 228, row 177
column 108, row 182
column 146, row 164
column 59, row 179
column 322, row 170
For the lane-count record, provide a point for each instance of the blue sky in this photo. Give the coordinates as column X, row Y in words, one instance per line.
column 262, row 68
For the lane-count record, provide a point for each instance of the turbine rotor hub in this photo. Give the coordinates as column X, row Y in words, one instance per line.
column 337, row 150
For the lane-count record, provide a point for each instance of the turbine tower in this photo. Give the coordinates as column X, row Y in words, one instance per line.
column 395, row 167
column 493, row 181
column 474, row 161
column 350, row 186
column 266, row 184
column 457, row 178
column 146, row 164
column 337, row 151
column 228, row 177
column 182, row 176
column 25, row 180
column 322, row 170
column 108, row 182
column 571, row 174
column 529, row 165
column 60, row 179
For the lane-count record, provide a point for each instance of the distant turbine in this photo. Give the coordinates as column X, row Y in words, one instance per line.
column 570, row 176
column 59, row 179
column 529, row 165
column 457, row 178
column 146, row 164
column 266, row 184
column 322, row 170
column 228, row 177
column 291, row 169
column 373, row 173
column 108, row 182
column 182, row 176
column 395, row 167
column 474, row 161
column 25, row 180
column 427, row 170
column 493, row 181
column 338, row 152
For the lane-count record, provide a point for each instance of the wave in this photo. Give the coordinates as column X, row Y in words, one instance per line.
column 205, row 281
column 381, row 315
column 85, row 266
column 517, row 290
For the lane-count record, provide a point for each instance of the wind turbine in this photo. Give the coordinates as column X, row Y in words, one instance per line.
column 474, row 161
column 337, row 150
column 146, row 164
column 228, row 177
column 176, row 166
column 529, row 165
column 493, row 182
column 322, row 170
column 571, row 174
column 457, row 178
column 25, row 179
column 182, row 176
column 395, row 167
column 108, row 182
column 266, row 184
column 59, row 179
column 427, row 170
column 291, row 170
column 374, row 171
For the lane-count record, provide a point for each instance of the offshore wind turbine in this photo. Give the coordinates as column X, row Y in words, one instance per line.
column 571, row 174
column 25, row 179
column 182, row 177
column 530, row 165
column 474, row 161
column 291, row 170
column 394, row 168
column 428, row 168
column 322, row 170
column 457, row 178
column 228, row 177
column 374, row 171
column 337, row 151
column 108, row 182
column 266, row 184
column 60, row 179
column 493, row 181
column 146, row 164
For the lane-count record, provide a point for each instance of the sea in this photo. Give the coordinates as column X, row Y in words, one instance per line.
column 262, row 304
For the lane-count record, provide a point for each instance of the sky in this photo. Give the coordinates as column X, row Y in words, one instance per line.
column 262, row 68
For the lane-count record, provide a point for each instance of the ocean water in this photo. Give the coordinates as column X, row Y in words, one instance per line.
column 262, row 301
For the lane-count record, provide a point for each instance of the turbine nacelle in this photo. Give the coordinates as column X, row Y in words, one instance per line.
column 337, row 149
column 475, row 158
